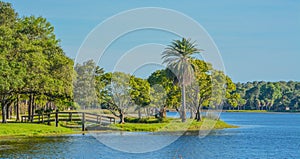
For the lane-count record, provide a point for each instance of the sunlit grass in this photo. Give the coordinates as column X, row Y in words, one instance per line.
column 27, row 129
column 174, row 125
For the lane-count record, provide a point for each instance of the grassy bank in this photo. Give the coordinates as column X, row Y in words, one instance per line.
column 174, row 125
column 27, row 129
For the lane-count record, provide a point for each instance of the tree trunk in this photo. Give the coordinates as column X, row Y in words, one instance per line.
column 29, row 107
column 4, row 114
column 147, row 112
column 198, row 114
column 3, row 104
column 122, row 121
column 18, row 108
column 163, row 112
column 8, row 111
column 32, row 108
column 183, row 107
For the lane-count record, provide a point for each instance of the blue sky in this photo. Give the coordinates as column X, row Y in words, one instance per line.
column 258, row 40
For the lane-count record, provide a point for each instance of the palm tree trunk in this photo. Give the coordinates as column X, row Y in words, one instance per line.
column 183, row 107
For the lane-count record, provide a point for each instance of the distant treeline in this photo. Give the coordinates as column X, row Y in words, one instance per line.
column 274, row 96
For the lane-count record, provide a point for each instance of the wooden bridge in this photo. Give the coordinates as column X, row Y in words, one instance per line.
column 82, row 117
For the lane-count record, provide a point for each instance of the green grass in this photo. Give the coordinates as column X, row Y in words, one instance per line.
column 26, row 129
column 248, row 111
column 174, row 125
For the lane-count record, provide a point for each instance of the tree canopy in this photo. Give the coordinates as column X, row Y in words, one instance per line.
column 275, row 96
column 32, row 63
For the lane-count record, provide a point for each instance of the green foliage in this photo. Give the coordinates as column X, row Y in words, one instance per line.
column 163, row 92
column 85, row 92
column 32, row 63
column 140, row 92
column 120, row 92
column 272, row 96
column 210, row 88
column 8, row 16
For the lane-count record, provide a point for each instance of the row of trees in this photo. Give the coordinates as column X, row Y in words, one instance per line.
column 275, row 96
column 34, row 68
column 186, row 84
column 35, row 72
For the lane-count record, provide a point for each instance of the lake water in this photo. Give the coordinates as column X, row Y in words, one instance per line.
column 261, row 135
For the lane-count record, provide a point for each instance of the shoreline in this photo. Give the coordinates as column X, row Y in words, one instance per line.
column 244, row 111
column 17, row 130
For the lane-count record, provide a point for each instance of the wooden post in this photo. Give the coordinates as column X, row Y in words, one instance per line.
column 42, row 118
column 56, row 118
column 48, row 119
column 99, row 119
column 70, row 116
column 83, row 121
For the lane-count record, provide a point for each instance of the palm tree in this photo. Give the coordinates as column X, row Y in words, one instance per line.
column 178, row 58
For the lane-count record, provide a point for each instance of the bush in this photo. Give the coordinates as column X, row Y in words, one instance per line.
column 148, row 120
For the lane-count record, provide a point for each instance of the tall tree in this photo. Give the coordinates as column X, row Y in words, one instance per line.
column 162, row 84
column 140, row 93
column 178, row 58
column 158, row 97
column 117, row 93
column 85, row 85
column 200, row 92
column 10, row 67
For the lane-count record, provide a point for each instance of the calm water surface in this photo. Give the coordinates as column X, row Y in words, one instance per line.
column 260, row 136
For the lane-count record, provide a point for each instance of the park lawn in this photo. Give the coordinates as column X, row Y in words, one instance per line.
column 28, row 129
column 174, row 125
